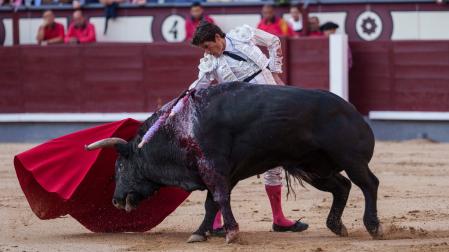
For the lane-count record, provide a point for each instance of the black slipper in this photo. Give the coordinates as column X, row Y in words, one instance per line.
column 297, row 227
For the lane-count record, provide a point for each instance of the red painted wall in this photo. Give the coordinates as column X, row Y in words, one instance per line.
column 94, row 78
column 139, row 77
column 400, row 76
column 308, row 62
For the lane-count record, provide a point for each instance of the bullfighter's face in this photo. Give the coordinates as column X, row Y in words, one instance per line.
column 130, row 185
column 215, row 47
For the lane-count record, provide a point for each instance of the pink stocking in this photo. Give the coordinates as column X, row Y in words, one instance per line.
column 217, row 221
column 275, row 195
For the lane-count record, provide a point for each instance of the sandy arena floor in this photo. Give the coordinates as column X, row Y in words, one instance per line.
column 413, row 207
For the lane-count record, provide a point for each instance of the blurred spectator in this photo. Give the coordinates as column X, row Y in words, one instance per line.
column 16, row 3
column 314, row 27
column 76, row 4
column 274, row 25
column 330, row 28
column 196, row 16
column 110, row 11
column 52, row 2
column 80, row 30
column 139, row 2
column 50, row 32
column 295, row 20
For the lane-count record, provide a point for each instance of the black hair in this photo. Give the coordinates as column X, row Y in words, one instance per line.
column 329, row 26
column 206, row 32
column 196, row 4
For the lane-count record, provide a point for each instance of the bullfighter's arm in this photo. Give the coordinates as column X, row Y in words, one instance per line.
column 203, row 81
column 206, row 72
column 272, row 42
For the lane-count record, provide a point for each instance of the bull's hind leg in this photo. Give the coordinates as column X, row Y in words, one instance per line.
column 206, row 226
column 368, row 183
column 339, row 186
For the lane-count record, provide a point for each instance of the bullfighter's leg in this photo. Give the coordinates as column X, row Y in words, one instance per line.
column 340, row 187
column 368, row 183
column 218, row 223
column 273, row 188
column 220, row 188
column 206, row 226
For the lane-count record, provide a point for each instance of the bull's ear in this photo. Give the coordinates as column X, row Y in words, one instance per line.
column 123, row 149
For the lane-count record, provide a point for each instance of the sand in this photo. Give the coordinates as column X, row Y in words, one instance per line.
column 413, row 207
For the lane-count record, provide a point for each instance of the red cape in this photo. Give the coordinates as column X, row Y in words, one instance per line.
column 59, row 177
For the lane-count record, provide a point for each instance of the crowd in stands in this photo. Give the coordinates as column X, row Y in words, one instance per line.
column 86, row 2
column 292, row 27
column 81, row 31
column 17, row 3
column 52, row 32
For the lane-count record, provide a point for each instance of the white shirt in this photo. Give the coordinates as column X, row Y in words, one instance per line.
column 241, row 69
column 296, row 25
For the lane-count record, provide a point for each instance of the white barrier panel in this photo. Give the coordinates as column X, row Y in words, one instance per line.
column 123, row 29
column 338, row 65
column 409, row 115
column 7, row 22
column 71, row 117
column 425, row 25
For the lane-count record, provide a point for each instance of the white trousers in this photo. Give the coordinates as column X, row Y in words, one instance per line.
column 273, row 177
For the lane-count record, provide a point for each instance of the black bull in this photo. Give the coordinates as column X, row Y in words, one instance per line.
column 234, row 131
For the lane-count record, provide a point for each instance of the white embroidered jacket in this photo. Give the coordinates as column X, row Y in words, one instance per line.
column 243, row 41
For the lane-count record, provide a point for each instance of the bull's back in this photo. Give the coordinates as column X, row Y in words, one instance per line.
column 266, row 118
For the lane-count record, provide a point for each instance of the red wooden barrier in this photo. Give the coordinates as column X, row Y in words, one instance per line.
column 400, row 76
column 94, row 78
column 308, row 63
column 139, row 77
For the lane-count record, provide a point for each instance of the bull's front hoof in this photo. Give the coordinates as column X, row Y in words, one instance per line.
column 232, row 236
column 377, row 233
column 196, row 238
column 338, row 228
column 343, row 231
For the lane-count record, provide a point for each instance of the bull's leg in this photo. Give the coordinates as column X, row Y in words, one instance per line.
column 231, row 226
column 369, row 184
column 220, row 187
column 339, row 186
column 211, row 210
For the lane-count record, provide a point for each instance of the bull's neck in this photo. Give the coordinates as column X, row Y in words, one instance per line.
column 170, row 161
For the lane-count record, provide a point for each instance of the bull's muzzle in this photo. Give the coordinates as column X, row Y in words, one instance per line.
column 129, row 204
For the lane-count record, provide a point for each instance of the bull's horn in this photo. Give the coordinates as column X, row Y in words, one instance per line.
column 108, row 142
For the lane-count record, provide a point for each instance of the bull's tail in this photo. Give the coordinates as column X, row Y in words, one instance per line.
column 295, row 175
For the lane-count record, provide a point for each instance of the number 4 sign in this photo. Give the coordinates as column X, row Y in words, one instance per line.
column 173, row 28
